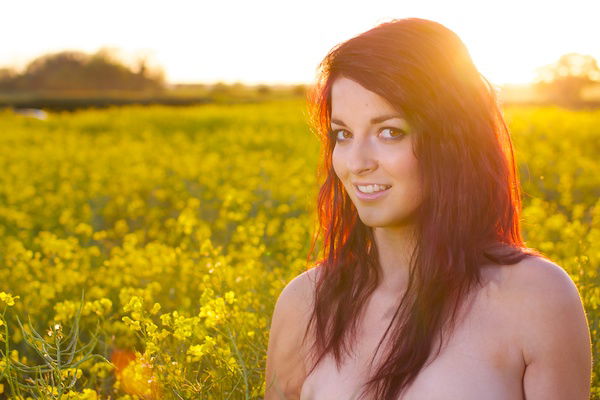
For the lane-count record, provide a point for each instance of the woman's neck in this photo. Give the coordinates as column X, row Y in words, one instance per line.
column 394, row 245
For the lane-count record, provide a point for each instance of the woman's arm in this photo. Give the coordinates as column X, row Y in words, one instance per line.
column 286, row 363
column 555, row 335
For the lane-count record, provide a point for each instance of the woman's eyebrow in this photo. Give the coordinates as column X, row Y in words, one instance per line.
column 374, row 120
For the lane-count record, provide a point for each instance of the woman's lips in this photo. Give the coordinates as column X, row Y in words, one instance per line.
column 370, row 196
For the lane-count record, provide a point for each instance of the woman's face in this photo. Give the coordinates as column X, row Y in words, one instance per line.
column 374, row 146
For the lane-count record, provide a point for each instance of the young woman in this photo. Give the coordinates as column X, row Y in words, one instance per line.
column 425, row 289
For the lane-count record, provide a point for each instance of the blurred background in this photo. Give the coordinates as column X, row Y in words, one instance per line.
column 66, row 54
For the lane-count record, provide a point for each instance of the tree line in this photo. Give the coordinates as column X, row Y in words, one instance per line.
column 79, row 71
column 561, row 82
column 564, row 81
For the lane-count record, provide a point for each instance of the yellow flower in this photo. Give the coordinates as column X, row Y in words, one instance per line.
column 166, row 319
column 8, row 299
column 151, row 348
column 155, row 309
column 135, row 325
column 196, row 350
column 135, row 304
column 230, row 297
column 70, row 372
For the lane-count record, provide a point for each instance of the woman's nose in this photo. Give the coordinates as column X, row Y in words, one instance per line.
column 361, row 158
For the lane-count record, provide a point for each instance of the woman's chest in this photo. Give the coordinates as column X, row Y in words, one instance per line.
column 480, row 360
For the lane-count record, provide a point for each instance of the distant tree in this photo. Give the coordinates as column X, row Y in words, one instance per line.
column 57, row 71
column 7, row 75
column 75, row 70
column 299, row 90
column 263, row 89
column 143, row 71
column 220, row 88
column 563, row 81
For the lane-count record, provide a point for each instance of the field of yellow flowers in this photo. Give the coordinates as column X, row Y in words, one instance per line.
column 142, row 248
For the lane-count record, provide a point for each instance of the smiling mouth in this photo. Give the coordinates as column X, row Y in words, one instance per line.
column 370, row 189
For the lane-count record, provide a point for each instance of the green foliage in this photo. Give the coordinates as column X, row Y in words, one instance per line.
column 59, row 372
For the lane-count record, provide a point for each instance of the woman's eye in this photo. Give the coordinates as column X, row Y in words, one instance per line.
column 340, row 134
column 392, row 132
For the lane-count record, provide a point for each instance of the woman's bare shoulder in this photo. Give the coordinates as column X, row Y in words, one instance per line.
column 303, row 286
column 536, row 293
column 286, row 366
column 536, row 277
column 533, row 277
column 550, row 316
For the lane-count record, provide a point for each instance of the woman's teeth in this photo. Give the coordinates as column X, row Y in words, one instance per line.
column 372, row 188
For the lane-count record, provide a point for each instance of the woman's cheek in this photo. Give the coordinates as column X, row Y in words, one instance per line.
column 337, row 164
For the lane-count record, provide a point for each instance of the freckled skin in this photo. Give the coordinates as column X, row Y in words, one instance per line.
column 368, row 153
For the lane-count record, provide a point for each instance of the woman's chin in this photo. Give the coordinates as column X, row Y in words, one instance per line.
column 383, row 221
column 375, row 221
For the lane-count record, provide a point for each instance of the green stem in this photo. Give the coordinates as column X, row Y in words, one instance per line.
column 242, row 363
column 8, row 359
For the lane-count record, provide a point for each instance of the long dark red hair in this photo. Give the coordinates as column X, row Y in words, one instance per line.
column 471, row 197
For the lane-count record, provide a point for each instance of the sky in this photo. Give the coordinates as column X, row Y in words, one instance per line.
column 279, row 41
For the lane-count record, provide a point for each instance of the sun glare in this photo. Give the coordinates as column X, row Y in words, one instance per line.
column 260, row 43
